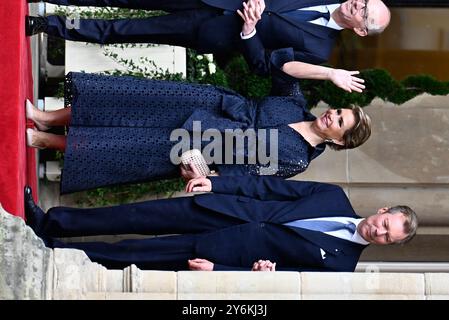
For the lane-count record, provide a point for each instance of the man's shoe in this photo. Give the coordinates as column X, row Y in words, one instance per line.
column 33, row 1
column 35, row 25
column 33, row 214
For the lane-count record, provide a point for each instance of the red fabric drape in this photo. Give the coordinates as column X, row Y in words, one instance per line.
column 17, row 162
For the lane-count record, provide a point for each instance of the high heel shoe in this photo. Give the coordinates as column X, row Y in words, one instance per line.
column 30, row 137
column 30, row 109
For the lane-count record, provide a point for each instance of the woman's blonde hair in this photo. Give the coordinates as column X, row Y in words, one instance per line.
column 358, row 134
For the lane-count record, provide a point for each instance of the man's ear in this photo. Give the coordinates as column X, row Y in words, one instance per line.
column 383, row 210
column 360, row 32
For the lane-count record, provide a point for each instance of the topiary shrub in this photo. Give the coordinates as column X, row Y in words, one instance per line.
column 379, row 83
column 425, row 83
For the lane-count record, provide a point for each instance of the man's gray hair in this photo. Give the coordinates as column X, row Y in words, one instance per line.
column 410, row 224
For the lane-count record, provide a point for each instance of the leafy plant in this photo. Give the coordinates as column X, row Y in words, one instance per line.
column 128, row 193
column 106, row 13
column 242, row 80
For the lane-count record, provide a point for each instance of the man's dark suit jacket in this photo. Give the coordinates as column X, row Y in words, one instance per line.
column 266, row 203
column 311, row 43
column 242, row 221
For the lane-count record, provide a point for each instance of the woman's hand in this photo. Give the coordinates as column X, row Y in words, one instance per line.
column 345, row 79
column 201, row 184
column 189, row 174
column 341, row 78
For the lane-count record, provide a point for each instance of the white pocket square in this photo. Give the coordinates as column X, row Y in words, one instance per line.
column 323, row 253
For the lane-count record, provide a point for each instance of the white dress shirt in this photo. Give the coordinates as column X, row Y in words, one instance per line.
column 323, row 22
column 344, row 234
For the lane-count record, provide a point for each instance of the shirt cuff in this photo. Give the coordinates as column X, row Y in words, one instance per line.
column 248, row 35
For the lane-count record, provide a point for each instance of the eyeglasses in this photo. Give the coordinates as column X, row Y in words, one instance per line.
column 364, row 14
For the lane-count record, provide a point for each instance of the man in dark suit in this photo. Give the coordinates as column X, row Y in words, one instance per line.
column 310, row 27
column 246, row 223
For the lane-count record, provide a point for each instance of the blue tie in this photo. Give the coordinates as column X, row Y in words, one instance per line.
column 307, row 15
column 322, row 225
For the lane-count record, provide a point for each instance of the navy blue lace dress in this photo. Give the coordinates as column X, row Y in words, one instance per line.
column 120, row 128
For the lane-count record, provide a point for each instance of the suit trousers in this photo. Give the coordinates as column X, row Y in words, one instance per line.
column 166, row 5
column 179, row 219
column 179, row 27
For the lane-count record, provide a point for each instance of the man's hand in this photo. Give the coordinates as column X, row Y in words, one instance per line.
column 264, row 265
column 201, row 184
column 189, row 174
column 200, row 265
column 252, row 13
column 346, row 80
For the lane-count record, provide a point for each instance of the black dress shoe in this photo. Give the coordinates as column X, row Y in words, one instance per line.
column 33, row 1
column 34, row 215
column 35, row 25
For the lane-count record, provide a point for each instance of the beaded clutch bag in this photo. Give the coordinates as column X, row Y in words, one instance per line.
column 194, row 156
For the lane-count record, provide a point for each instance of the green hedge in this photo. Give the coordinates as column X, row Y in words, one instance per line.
column 379, row 83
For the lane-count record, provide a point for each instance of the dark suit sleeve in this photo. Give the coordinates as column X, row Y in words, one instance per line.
column 258, row 58
column 268, row 188
column 256, row 55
